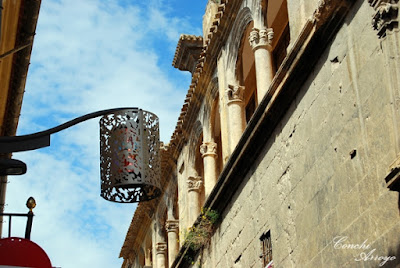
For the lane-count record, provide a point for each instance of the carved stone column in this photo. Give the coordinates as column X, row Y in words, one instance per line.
column 194, row 188
column 161, row 250
column 260, row 41
column 172, row 227
column 236, row 114
column 208, row 151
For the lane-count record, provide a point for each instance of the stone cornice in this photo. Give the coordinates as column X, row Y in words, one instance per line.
column 202, row 75
column 187, row 52
column 327, row 10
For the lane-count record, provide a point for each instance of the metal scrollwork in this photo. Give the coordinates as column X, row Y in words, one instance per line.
column 129, row 156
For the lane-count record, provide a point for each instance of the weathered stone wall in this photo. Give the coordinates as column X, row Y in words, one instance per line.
column 322, row 176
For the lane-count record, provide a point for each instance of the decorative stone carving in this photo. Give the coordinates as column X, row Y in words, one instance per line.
column 208, row 149
column 172, row 225
column 235, row 93
column 326, row 10
column 386, row 16
column 161, row 248
column 194, row 183
column 261, row 38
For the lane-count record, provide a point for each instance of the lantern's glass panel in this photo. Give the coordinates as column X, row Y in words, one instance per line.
column 129, row 156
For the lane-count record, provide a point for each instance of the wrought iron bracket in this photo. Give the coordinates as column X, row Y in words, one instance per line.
column 10, row 144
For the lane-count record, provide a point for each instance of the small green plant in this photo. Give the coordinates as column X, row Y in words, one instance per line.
column 200, row 234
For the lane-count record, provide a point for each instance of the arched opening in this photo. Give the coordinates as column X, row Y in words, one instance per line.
column 246, row 72
column 199, row 166
column 216, row 132
column 276, row 17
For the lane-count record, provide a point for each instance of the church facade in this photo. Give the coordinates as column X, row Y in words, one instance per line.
column 287, row 149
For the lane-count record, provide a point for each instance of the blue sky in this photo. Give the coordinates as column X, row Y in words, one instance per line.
column 88, row 56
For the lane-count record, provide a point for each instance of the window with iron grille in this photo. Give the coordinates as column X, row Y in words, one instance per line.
column 266, row 248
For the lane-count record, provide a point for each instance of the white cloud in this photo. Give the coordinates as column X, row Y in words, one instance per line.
column 91, row 55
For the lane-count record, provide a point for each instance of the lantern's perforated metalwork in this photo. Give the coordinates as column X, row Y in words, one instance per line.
column 129, row 156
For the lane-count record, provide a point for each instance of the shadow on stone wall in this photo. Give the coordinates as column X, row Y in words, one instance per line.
column 395, row 263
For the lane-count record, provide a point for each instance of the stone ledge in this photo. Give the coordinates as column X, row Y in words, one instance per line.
column 393, row 177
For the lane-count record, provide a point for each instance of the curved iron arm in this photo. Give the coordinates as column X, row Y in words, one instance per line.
column 41, row 139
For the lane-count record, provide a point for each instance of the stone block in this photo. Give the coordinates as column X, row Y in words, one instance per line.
column 306, row 221
column 327, row 164
column 327, row 198
column 331, row 226
column 337, row 257
column 298, row 168
column 348, row 208
column 368, row 189
column 315, row 262
column 310, row 184
column 384, row 214
column 295, row 16
column 313, row 243
column 356, row 20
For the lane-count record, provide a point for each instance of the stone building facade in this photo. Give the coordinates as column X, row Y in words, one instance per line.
column 290, row 133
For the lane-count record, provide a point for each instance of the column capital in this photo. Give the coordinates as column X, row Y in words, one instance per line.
column 235, row 94
column 161, row 248
column 194, row 183
column 261, row 38
column 172, row 226
column 208, row 149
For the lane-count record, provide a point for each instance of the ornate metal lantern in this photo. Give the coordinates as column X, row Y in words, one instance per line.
column 129, row 156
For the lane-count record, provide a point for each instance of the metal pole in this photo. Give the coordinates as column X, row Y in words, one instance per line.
column 29, row 225
column 9, row 225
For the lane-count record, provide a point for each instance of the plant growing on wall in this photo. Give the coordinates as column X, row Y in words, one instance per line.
column 200, row 234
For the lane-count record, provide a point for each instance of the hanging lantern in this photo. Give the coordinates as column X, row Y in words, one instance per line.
column 129, row 156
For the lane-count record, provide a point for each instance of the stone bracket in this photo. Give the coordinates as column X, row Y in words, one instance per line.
column 386, row 16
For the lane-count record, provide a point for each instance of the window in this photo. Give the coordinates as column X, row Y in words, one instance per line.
column 266, row 249
column 277, row 19
column 280, row 49
column 250, row 107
